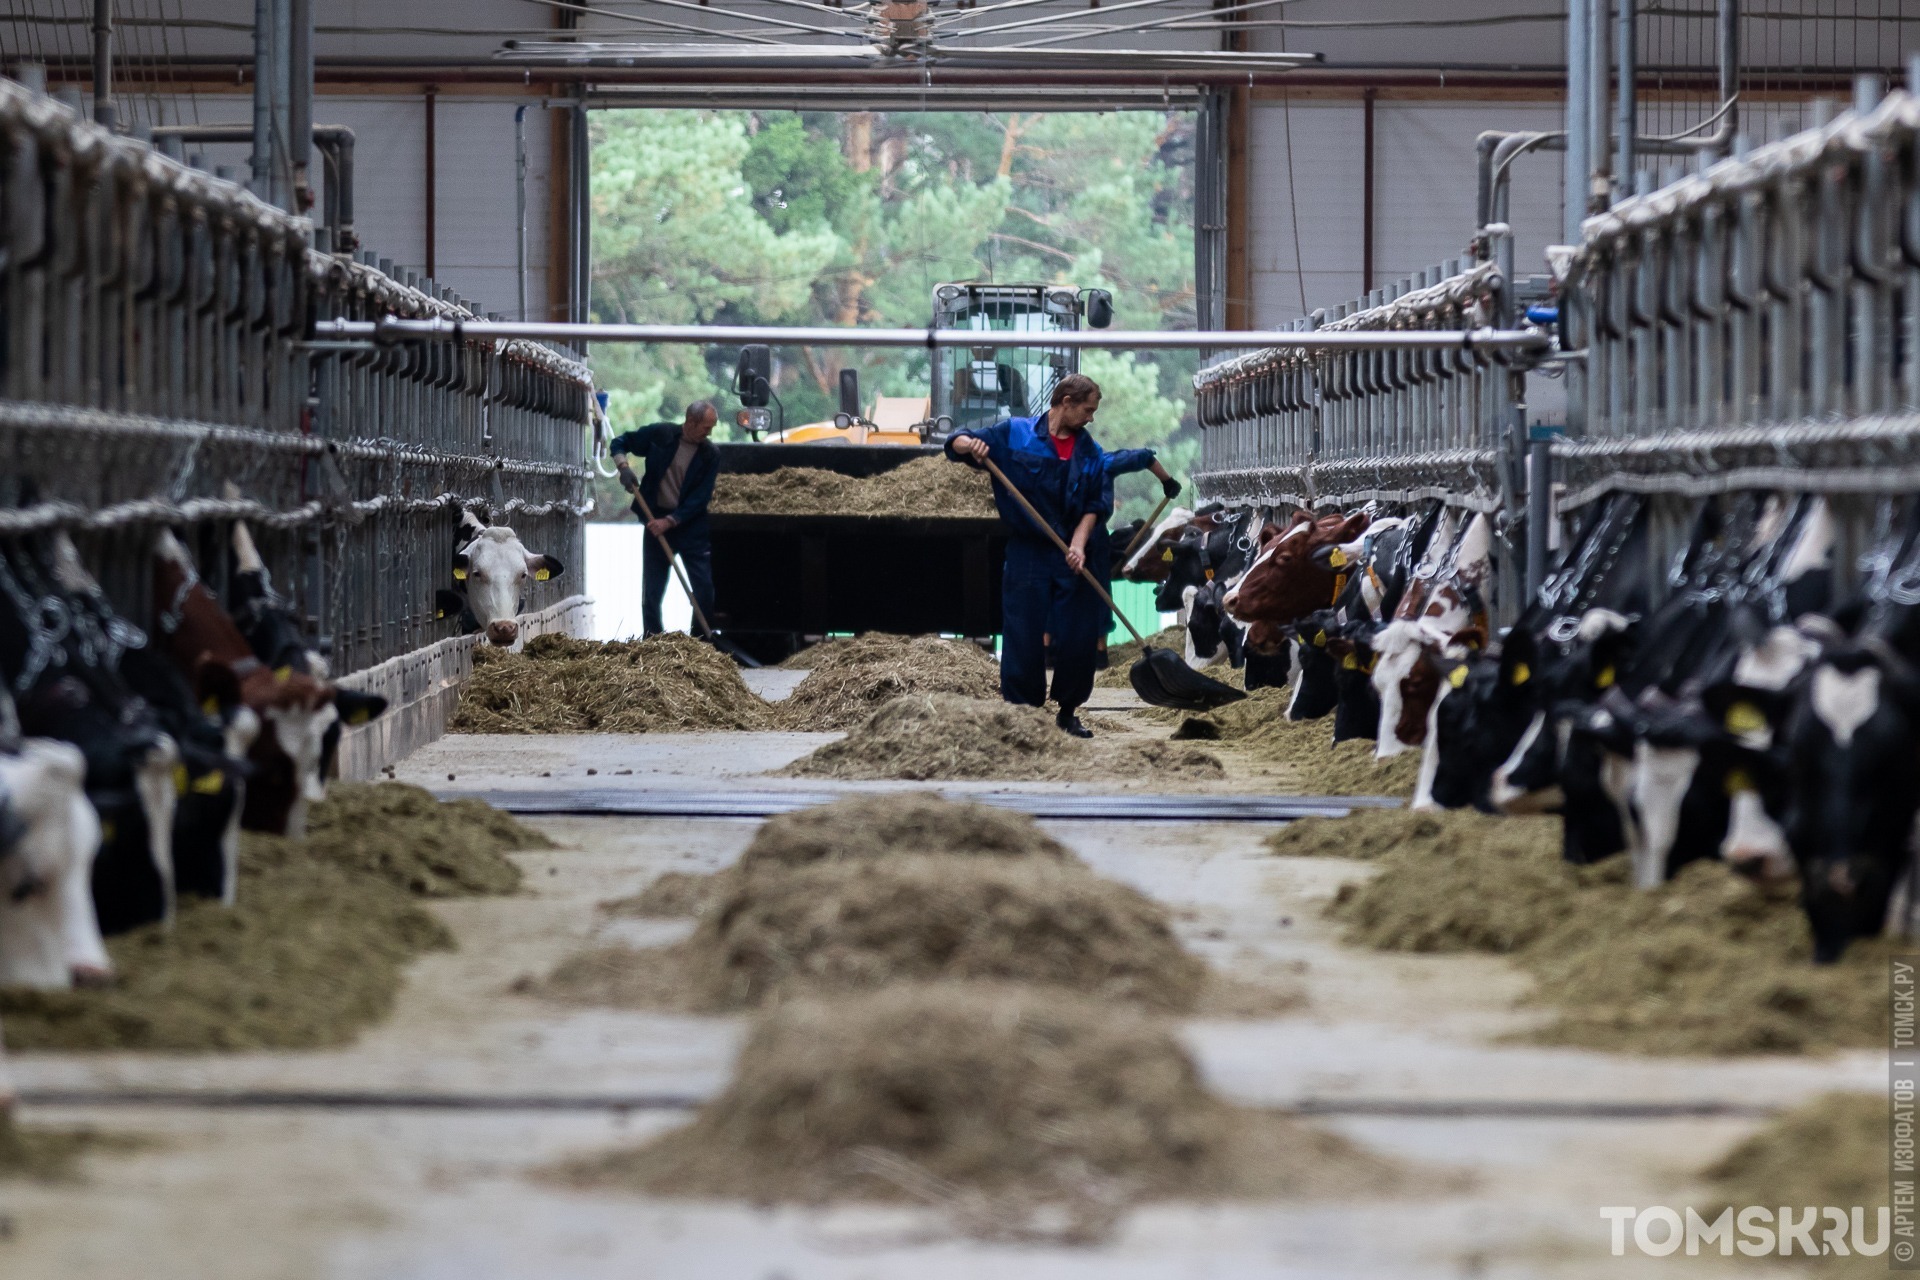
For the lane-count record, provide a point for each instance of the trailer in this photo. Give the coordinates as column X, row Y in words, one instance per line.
column 782, row 582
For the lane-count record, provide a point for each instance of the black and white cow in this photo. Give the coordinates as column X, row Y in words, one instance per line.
column 49, row 836
column 492, row 569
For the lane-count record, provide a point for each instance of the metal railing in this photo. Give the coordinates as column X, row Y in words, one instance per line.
column 156, row 368
column 1306, row 428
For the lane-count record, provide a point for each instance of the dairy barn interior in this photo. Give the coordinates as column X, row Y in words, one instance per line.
column 852, row 638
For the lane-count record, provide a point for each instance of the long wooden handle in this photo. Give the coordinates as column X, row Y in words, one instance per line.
column 674, row 560
column 1145, row 529
column 1046, row 528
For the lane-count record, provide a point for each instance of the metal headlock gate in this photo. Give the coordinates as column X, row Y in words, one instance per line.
column 1752, row 325
column 156, row 369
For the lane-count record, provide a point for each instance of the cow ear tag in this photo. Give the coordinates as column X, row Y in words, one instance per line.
column 1167, row 555
column 459, row 575
column 179, row 779
column 1605, row 679
column 1457, row 676
column 210, row 782
column 1522, row 673
column 1209, row 575
column 1320, row 639
column 283, row 674
column 1350, row 663
column 1336, row 557
column 541, row 575
column 1744, row 718
column 211, row 706
column 1738, row 781
column 359, row 716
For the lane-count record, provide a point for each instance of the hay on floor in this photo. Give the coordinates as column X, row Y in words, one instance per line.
column 852, row 828
column 855, row 925
column 923, row 488
column 1833, row 1150
column 431, row 848
column 1258, row 728
column 669, row 683
column 1708, row 963
column 855, row 677
column 940, row 736
column 42, row 1153
column 313, row 950
column 1021, row 1114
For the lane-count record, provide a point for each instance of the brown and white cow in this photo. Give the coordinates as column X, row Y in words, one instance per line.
column 292, row 710
column 1444, row 606
column 1285, row 583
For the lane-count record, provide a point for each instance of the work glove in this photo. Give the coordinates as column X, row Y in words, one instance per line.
column 1170, row 487
column 627, row 479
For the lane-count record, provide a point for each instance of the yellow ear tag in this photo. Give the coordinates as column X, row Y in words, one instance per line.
column 1320, row 639
column 108, row 830
column 211, row 706
column 283, row 674
column 1738, row 781
column 541, row 575
column 1336, row 557
column 1167, row 555
column 459, row 575
column 359, row 716
column 1744, row 717
column 1350, row 663
column 179, row 779
column 1605, row 679
column 210, row 782
column 438, row 614
column 1209, row 575
column 1522, row 673
column 1457, row 676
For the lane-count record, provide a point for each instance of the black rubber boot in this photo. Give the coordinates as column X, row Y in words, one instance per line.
column 1070, row 724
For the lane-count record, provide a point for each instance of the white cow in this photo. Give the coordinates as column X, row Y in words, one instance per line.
column 49, row 937
column 496, row 567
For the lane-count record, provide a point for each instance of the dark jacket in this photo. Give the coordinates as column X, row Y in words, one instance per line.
column 655, row 445
column 1061, row 491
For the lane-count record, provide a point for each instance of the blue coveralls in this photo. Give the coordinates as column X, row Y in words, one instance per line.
column 1040, row 597
column 1118, row 463
column 690, row 536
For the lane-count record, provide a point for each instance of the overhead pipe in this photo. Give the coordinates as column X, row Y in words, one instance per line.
column 300, row 100
column 520, row 205
column 103, row 111
column 1626, row 123
column 438, row 329
column 335, row 142
column 263, row 98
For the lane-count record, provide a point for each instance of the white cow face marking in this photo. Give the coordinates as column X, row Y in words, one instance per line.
column 1813, row 549
column 153, row 783
column 1506, row 796
column 1845, row 702
column 1754, row 843
column 301, row 735
column 1179, row 517
column 1430, row 753
column 1781, row 655
column 1661, row 776
column 48, row 933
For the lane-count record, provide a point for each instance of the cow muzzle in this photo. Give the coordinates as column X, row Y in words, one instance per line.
column 503, row 632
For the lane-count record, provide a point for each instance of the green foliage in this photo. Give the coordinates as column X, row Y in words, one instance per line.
column 819, row 218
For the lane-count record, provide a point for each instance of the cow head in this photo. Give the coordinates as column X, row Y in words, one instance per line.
column 1149, row 563
column 1211, row 635
column 1482, row 708
column 49, row 936
column 1853, row 749
column 496, row 569
column 1283, row 584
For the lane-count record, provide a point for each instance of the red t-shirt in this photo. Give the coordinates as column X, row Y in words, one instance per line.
column 1062, row 445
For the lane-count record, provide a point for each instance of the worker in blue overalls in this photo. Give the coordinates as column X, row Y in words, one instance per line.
column 1061, row 470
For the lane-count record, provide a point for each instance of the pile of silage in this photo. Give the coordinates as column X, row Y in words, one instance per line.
column 1709, row 963
column 927, row 488
column 1375, row 833
column 1258, row 727
column 854, row 678
column 929, row 737
column 429, row 847
column 312, row 951
column 1833, row 1150
column 845, row 926
column 38, row 1153
column 858, row 827
column 670, row 683
column 993, row 1103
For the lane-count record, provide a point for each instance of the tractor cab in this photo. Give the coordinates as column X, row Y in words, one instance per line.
column 1012, row 372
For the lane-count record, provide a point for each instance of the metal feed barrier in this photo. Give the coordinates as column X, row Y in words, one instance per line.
column 155, row 369
column 1751, row 325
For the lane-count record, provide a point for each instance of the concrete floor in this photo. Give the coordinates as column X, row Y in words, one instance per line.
column 339, row 1187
